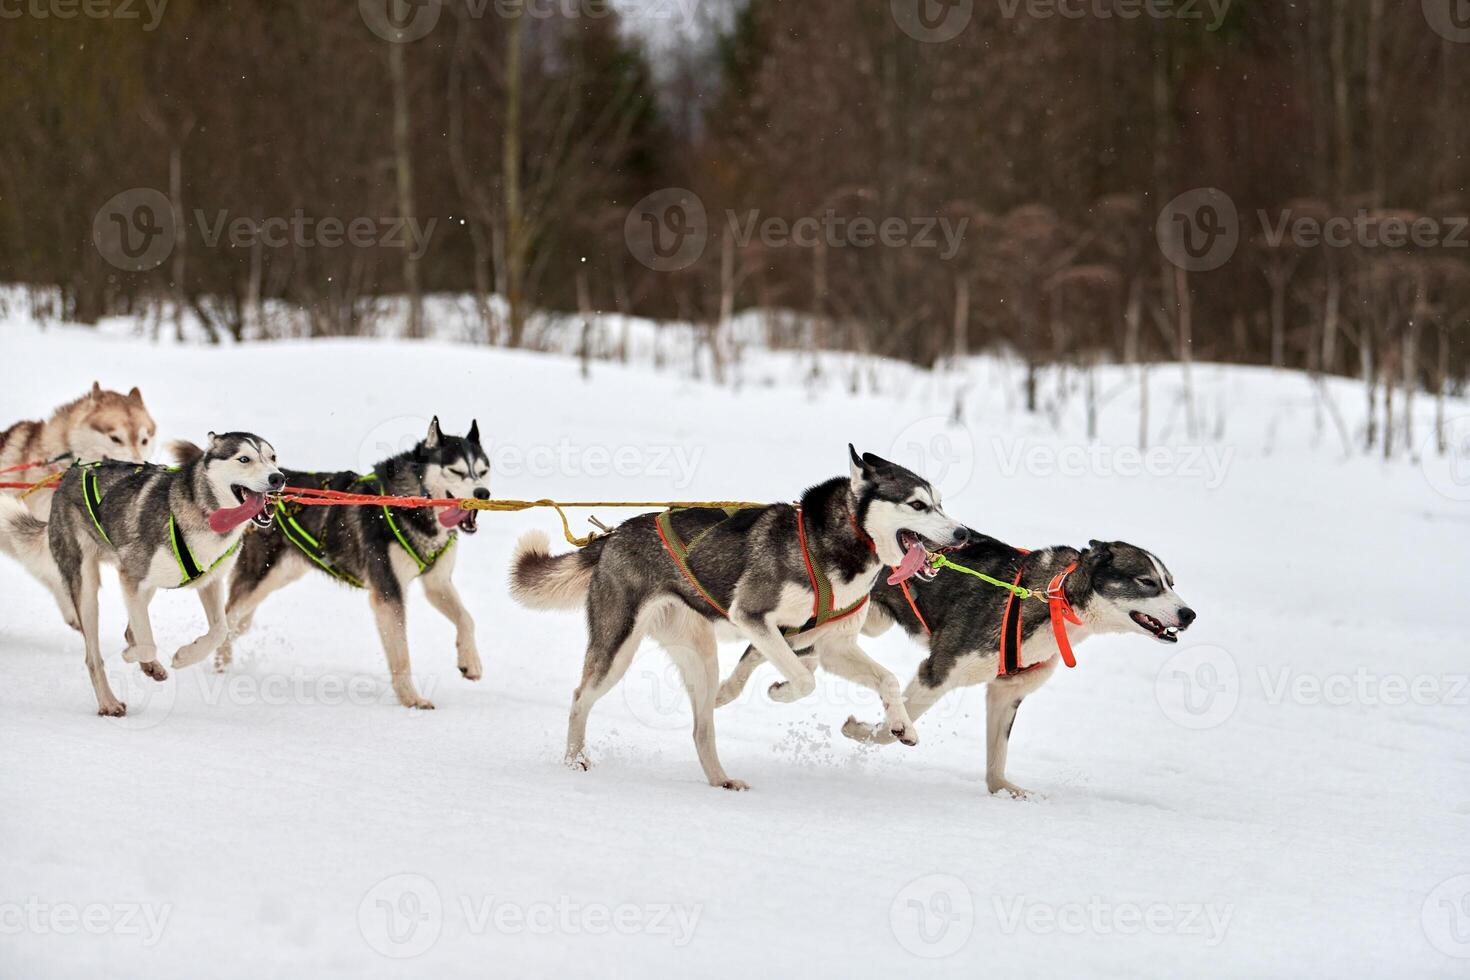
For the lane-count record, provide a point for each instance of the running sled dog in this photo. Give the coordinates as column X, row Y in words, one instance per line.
column 781, row 577
column 376, row 548
column 977, row 633
column 100, row 425
column 164, row 528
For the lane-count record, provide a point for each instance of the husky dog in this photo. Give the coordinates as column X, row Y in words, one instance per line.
column 1114, row 588
column 99, row 425
column 162, row 528
column 376, row 548
column 760, row 571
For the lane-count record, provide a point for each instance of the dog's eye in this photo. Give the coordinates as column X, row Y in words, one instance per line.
column 116, row 439
column 458, row 474
column 918, row 505
column 244, row 459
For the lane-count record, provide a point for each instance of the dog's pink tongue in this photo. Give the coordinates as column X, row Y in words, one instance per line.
column 913, row 560
column 226, row 520
column 451, row 516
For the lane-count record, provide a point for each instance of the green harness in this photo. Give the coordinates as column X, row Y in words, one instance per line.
column 314, row 550
column 189, row 567
column 680, row 551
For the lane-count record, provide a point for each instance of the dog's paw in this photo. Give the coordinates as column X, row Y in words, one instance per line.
column 787, row 692
column 578, row 762
column 735, row 785
column 419, row 704
column 861, row 731
column 153, row 669
column 192, row 653
column 472, row 671
column 907, row 734
column 1015, row 791
column 112, row 709
column 222, row 660
column 140, row 654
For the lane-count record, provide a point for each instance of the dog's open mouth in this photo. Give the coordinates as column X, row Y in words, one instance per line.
column 917, row 552
column 1166, row 634
column 457, row 517
column 251, row 505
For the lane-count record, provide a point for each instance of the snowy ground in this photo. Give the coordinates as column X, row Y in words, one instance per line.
column 1286, row 794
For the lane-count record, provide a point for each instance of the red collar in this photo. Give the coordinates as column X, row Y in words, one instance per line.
column 1062, row 613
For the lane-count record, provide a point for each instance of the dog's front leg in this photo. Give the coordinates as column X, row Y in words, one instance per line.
column 443, row 596
column 141, row 650
column 212, row 598
column 388, row 611
column 800, row 681
column 843, row 657
column 1003, row 697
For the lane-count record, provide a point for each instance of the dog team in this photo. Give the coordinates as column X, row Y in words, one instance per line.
column 798, row 583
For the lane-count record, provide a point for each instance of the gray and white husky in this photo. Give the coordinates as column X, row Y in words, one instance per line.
column 1115, row 588
column 754, row 572
column 163, row 528
column 375, row 548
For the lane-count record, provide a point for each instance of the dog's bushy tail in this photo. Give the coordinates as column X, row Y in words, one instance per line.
column 23, row 537
column 184, row 452
column 540, row 580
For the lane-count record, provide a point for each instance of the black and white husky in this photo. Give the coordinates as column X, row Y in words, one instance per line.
column 766, row 573
column 376, row 548
column 164, row 528
column 1114, row 588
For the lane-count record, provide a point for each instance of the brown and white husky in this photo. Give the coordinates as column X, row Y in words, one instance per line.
column 99, row 425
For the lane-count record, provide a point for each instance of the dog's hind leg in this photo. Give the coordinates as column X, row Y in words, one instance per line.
column 691, row 643
column 613, row 635
column 388, row 611
column 141, row 649
column 918, row 697
column 246, row 595
column 87, row 582
column 1002, row 698
column 443, row 596
column 843, row 657
column 212, row 597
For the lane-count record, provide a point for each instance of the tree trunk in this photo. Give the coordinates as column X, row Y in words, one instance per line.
column 516, row 246
column 403, row 168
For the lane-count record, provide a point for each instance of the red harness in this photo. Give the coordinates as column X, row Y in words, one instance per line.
column 1010, row 640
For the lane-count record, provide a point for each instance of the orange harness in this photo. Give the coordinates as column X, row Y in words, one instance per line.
column 1061, row 612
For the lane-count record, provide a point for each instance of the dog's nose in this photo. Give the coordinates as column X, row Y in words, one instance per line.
column 481, row 493
column 962, row 535
column 1186, row 616
column 277, row 480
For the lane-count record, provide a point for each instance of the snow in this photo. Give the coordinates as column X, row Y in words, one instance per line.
column 1284, row 794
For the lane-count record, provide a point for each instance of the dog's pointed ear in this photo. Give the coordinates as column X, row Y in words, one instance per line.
column 431, row 441
column 856, row 467
column 1098, row 552
column 96, row 391
column 213, row 439
column 878, row 462
column 135, row 396
column 474, row 434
